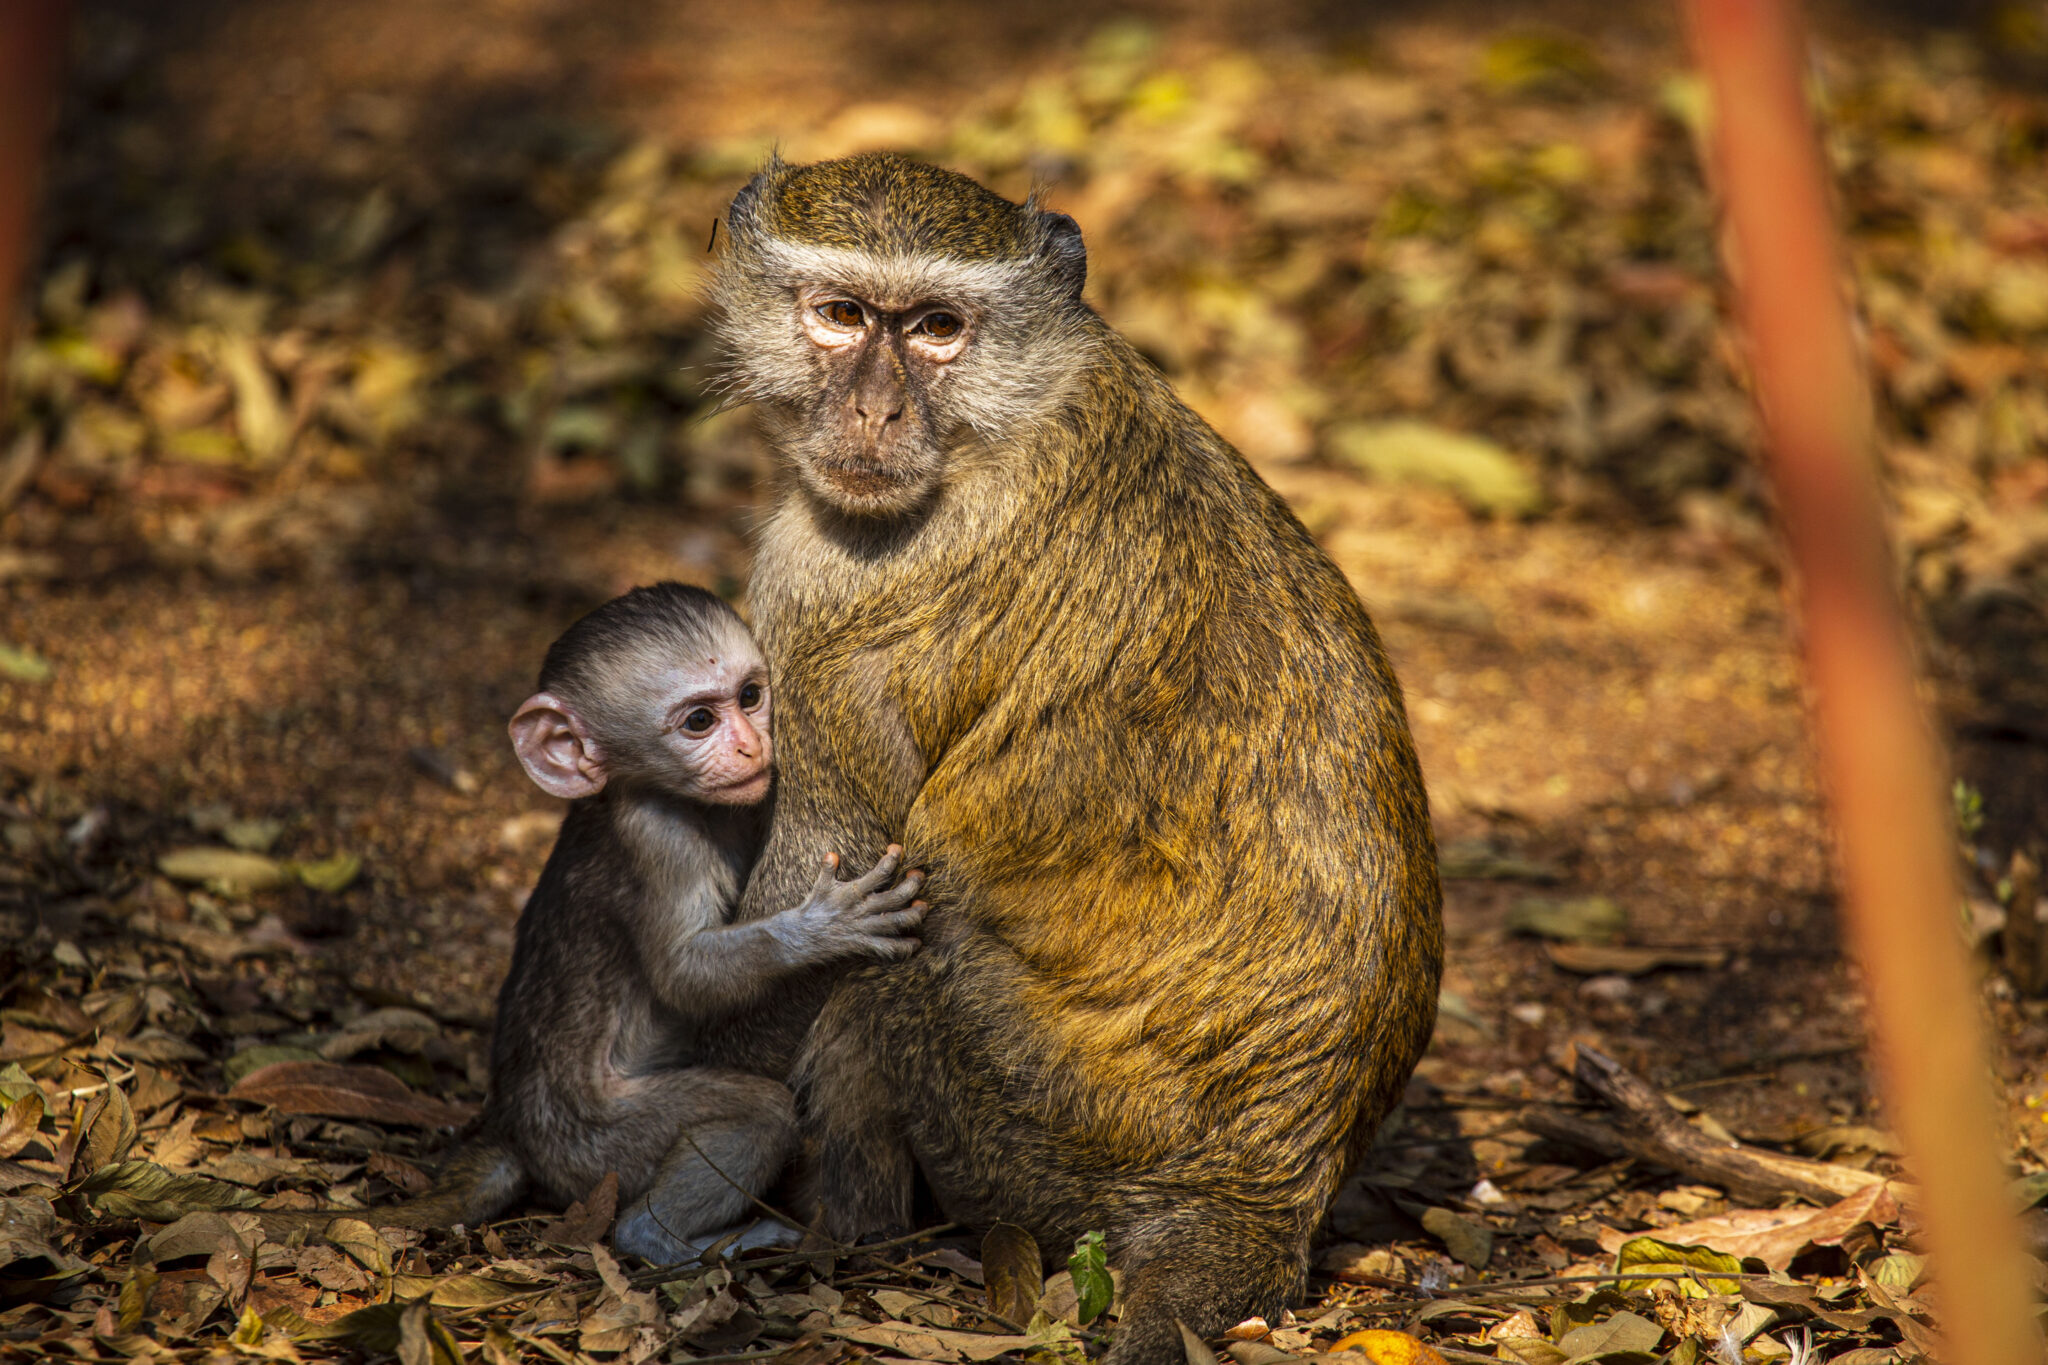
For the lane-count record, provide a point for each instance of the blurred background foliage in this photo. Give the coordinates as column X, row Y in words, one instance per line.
column 281, row 335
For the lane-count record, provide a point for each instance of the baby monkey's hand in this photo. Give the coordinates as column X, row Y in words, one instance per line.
column 874, row 916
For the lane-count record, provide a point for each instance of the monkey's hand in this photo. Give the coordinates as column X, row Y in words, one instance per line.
column 875, row 916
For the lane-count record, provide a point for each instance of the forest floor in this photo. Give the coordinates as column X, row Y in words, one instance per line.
column 366, row 352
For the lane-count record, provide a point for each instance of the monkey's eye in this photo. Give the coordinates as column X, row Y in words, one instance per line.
column 939, row 326
column 843, row 313
column 750, row 696
column 699, row 721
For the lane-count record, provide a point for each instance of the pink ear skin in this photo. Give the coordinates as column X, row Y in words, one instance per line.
column 555, row 748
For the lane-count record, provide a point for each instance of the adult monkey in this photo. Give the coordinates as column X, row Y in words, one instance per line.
column 1036, row 620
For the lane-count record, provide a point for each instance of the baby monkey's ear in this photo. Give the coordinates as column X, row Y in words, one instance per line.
column 556, row 748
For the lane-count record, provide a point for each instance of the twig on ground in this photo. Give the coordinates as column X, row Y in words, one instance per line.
column 1654, row 1132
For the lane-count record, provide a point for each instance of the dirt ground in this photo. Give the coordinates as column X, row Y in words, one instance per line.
column 486, row 414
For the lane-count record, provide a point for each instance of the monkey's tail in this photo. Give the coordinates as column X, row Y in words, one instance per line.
column 480, row 1182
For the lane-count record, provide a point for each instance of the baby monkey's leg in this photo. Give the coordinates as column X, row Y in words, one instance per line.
column 735, row 1133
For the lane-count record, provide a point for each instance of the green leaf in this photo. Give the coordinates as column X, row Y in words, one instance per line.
column 1479, row 472
column 24, row 665
column 1089, row 1265
column 1647, row 1255
column 143, row 1189
column 332, row 875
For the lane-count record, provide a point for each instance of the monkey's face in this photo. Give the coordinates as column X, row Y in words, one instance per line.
column 889, row 318
column 650, row 718
column 712, row 721
column 875, row 439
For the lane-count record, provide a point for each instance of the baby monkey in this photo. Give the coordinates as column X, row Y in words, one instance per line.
column 612, row 1050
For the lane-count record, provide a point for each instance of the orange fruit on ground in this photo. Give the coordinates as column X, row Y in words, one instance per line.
column 1389, row 1348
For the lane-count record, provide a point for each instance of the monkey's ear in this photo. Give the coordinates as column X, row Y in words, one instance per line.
column 556, row 748
column 743, row 219
column 1064, row 246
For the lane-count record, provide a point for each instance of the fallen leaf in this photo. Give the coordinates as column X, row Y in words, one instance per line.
column 1776, row 1236
column 1531, row 1351
column 24, row 665
column 390, row 1328
column 260, row 415
column 1647, row 1255
column 327, row 1267
column 253, row 1059
column 1013, row 1270
column 1479, row 472
column 400, row 1029
column 1469, row 1242
column 589, row 1218
column 254, row 1337
column 31, row 1265
column 252, row 836
column 400, row 1172
column 932, row 1343
column 195, row 1234
column 486, row 1290
column 332, row 875
column 20, row 1123
column 362, row 1242
column 143, row 1189
column 1193, row 1349
column 227, row 871
column 957, row 1261
column 1623, row 1332
column 1576, row 919
column 1602, row 959
column 107, row 1132
column 335, row 1090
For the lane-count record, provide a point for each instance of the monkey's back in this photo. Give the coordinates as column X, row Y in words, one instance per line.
column 1165, row 751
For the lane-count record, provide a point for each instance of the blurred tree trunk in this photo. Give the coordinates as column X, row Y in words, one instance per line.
column 32, row 34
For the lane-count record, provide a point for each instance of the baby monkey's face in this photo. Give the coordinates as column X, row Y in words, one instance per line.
column 713, row 720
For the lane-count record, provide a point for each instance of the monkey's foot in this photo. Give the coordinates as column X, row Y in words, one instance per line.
column 638, row 1234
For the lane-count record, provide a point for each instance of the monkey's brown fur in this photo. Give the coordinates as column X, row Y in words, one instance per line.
column 1185, row 943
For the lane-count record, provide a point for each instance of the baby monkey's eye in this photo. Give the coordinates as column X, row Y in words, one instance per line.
column 939, row 326
column 750, row 696
column 699, row 721
column 843, row 313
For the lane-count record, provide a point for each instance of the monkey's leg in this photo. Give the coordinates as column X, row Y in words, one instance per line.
column 733, row 1135
column 858, row 1173
column 1207, row 1268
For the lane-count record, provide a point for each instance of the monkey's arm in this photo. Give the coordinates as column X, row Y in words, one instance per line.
column 727, row 968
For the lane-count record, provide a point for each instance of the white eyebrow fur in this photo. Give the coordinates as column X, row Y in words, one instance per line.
column 896, row 278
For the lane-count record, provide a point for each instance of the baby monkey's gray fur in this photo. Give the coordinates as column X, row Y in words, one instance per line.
column 619, row 1037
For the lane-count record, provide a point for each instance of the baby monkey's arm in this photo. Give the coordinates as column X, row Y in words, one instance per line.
column 727, row 968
